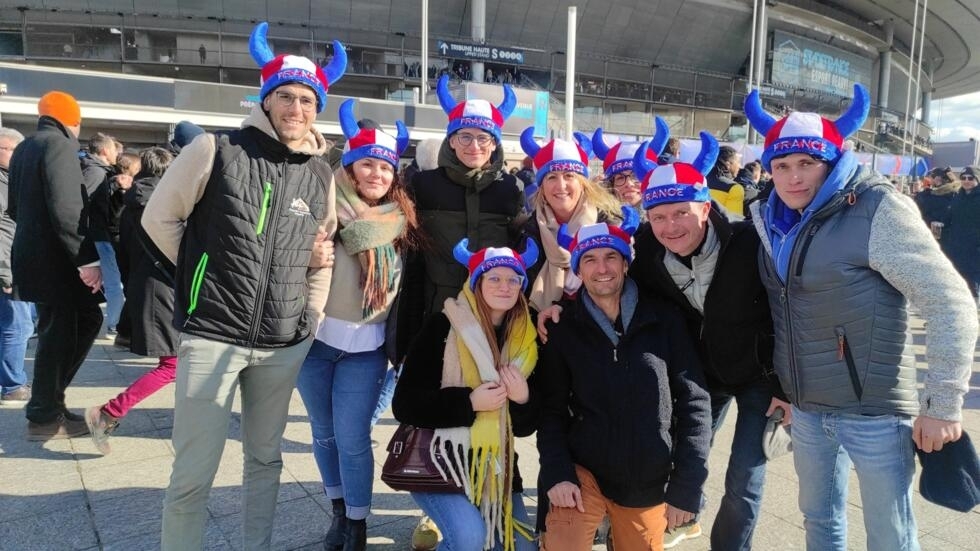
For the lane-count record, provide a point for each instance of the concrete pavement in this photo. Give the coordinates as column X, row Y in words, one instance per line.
column 64, row 495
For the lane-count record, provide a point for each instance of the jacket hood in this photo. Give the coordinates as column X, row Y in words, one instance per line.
column 948, row 188
column 314, row 144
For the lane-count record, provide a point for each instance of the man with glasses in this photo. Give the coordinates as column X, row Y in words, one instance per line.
column 960, row 233
column 242, row 214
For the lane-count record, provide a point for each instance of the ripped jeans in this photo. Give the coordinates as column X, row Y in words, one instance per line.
column 340, row 391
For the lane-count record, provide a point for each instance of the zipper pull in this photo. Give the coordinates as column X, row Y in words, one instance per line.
column 782, row 295
column 615, row 356
column 840, row 346
column 266, row 199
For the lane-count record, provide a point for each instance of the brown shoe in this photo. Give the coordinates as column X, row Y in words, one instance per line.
column 22, row 394
column 59, row 429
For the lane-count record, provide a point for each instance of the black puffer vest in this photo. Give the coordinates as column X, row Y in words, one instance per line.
column 241, row 272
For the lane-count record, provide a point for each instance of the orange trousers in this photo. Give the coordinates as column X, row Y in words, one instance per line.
column 633, row 528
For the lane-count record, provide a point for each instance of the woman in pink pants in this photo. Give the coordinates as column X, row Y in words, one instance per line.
column 150, row 298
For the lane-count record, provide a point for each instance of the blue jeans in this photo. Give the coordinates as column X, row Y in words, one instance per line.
column 746, row 473
column 387, row 394
column 111, row 282
column 880, row 447
column 16, row 326
column 340, row 391
column 462, row 526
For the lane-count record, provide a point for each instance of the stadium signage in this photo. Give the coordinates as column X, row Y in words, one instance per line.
column 480, row 52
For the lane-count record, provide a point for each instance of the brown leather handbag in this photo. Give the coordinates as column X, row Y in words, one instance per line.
column 409, row 466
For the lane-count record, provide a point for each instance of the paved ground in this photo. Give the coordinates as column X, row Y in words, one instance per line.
column 64, row 495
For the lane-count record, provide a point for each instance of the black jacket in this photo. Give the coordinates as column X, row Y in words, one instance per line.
column 48, row 201
column 961, row 234
column 735, row 334
column 7, row 228
column 489, row 216
column 608, row 408
column 934, row 202
column 150, row 286
column 104, row 209
column 420, row 401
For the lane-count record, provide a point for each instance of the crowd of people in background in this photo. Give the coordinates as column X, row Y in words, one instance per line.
column 614, row 316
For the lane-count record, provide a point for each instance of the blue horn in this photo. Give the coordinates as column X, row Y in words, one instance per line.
column 445, row 97
column 528, row 144
column 507, row 106
column 461, row 252
column 631, row 220
column 530, row 255
column 599, row 146
column 754, row 111
column 338, row 65
column 259, row 46
column 856, row 114
column 660, row 137
column 706, row 158
column 347, row 122
column 402, row 138
column 641, row 165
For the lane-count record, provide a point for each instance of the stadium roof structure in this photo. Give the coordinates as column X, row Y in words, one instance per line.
column 705, row 35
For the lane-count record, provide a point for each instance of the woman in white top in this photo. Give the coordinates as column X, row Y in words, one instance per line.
column 341, row 379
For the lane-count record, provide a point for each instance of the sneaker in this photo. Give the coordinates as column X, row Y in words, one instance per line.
column 686, row 531
column 59, row 429
column 110, row 331
column 426, row 535
column 100, row 426
column 22, row 394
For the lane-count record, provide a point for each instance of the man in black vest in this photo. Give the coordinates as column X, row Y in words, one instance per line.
column 239, row 213
column 54, row 263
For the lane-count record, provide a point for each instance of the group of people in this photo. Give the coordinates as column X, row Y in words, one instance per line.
column 951, row 208
column 619, row 331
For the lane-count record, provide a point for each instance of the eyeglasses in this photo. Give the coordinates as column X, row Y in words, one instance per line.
column 510, row 281
column 624, row 178
column 467, row 140
column 285, row 99
column 968, row 178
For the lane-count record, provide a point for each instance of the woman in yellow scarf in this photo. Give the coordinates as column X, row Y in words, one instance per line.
column 465, row 376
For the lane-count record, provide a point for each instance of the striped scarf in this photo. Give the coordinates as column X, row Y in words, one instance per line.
column 369, row 232
column 480, row 458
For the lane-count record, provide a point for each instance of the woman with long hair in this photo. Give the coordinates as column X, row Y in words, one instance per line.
column 341, row 378
column 465, row 376
column 565, row 196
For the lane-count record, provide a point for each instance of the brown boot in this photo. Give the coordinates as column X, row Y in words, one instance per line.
column 22, row 394
column 59, row 429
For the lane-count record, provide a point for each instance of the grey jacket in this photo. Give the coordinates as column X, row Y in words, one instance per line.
column 841, row 318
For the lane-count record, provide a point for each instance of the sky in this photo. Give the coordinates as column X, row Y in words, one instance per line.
column 956, row 119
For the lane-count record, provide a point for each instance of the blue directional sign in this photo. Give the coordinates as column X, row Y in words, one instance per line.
column 480, row 52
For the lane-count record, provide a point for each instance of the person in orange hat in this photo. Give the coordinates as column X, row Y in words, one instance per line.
column 46, row 203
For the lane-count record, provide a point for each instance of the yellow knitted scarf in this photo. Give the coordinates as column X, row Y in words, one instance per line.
column 481, row 457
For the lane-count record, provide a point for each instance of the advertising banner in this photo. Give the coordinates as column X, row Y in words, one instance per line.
column 799, row 62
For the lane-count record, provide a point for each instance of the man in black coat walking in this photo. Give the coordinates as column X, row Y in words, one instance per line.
column 54, row 264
